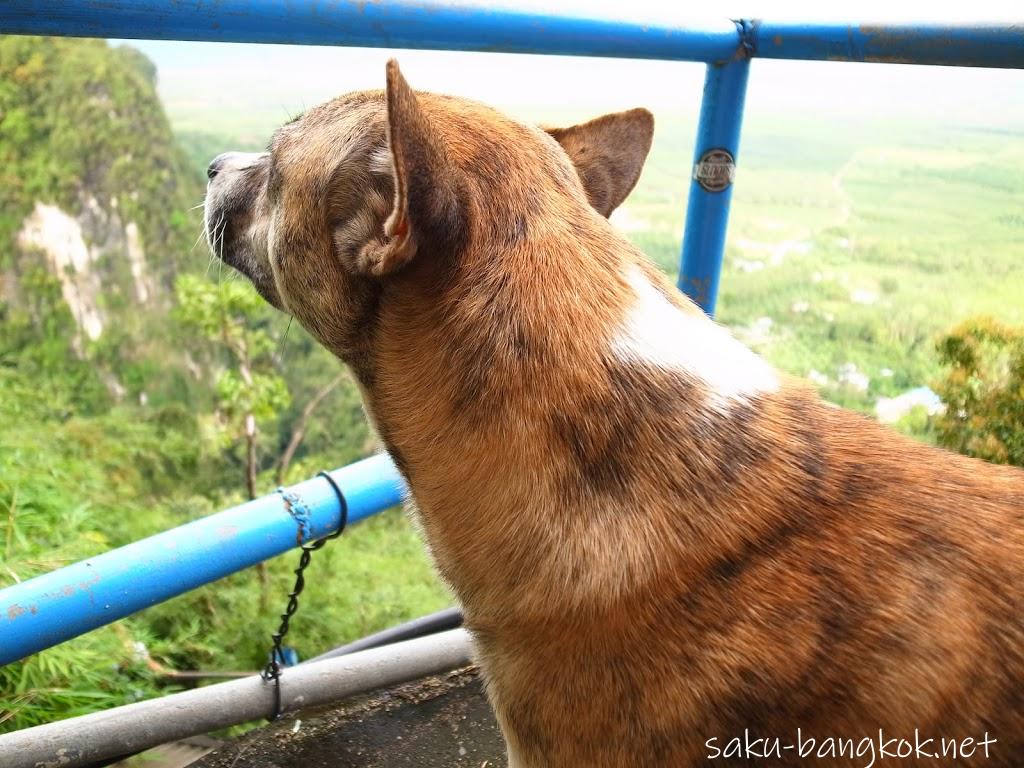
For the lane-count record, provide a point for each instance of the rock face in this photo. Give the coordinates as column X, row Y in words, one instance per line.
column 137, row 262
column 58, row 237
column 76, row 248
column 94, row 189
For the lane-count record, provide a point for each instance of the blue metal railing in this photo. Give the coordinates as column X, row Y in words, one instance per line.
column 68, row 602
column 718, row 135
column 60, row 605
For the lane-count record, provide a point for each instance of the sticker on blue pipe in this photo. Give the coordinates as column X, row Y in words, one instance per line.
column 715, row 170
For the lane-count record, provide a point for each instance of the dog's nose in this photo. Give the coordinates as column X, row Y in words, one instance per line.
column 233, row 161
column 216, row 165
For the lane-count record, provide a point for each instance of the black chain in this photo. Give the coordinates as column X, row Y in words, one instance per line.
column 297, row 509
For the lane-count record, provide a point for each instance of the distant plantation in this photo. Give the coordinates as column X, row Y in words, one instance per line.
column 852, row 250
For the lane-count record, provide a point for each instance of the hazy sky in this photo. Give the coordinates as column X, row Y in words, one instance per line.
column 278, row 81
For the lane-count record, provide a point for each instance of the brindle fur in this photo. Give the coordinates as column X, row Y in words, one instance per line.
column 640, row 572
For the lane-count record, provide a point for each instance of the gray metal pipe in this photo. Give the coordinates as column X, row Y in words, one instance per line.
column 129, row 729
column 439, row 621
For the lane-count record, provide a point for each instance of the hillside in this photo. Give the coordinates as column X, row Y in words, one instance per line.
column 86, row 149
column 117, row 418
column 94, row 211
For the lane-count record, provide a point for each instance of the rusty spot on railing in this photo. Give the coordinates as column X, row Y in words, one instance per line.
column 298, row 530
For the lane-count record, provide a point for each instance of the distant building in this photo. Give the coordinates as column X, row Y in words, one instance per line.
column 889, row 410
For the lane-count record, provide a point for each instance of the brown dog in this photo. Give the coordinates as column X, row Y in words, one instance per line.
column 665, row 550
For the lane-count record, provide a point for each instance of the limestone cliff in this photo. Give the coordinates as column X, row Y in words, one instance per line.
column 94, row 191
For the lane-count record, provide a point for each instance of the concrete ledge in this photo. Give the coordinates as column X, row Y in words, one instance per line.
column 443, row 721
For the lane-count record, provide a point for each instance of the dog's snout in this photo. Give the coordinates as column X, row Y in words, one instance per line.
column 216, row 165
column 232, row 161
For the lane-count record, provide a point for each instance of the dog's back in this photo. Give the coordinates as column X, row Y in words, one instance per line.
column 710, row 550
column 841, row 580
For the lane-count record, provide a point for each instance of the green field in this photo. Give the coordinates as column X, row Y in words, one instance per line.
column 854, row 246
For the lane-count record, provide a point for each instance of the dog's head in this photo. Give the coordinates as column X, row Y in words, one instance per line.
column 389, row 186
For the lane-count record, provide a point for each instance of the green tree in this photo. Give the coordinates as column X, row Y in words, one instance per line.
column 249, row 391
column 983, row 390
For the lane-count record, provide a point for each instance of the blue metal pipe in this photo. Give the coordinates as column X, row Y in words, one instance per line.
column 436, row 24
column 432, row 24
column 978, row 45
column 707, row 209
column 57, row 606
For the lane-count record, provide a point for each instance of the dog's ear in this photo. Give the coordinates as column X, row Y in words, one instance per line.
column 427, row 208
column 608, row 153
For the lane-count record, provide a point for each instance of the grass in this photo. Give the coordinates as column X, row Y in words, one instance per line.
column 74, row 485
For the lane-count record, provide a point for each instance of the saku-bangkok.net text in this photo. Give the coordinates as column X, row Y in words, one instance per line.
column 871, row 749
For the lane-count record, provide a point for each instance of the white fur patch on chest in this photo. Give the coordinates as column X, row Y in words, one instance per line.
column 657, row 334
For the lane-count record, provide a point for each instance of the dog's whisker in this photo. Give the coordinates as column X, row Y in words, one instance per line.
column 213, row 254
column 199, row 238
column 216, row 246
column 282, row 343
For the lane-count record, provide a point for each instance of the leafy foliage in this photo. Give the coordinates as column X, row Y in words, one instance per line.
column 249, row 391
column 81, row 119
column 983, row 391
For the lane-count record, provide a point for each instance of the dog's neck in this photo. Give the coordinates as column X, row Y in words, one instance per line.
column 531, row 397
